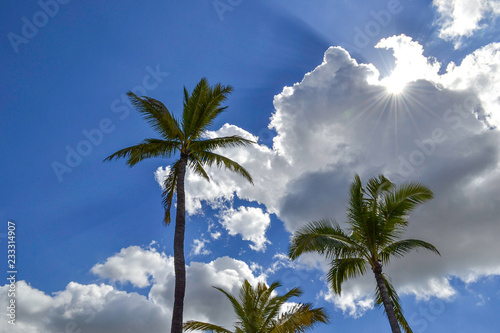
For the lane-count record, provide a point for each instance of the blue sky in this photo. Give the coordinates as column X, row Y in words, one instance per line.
column 328, row 88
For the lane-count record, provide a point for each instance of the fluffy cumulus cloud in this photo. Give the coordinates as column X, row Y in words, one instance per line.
column 103, row 308
column 251, row 223
column 411, row 65
column 462, row 18
column 198, row 247
column 479, row 72
column 93, row 308
column 341, row 120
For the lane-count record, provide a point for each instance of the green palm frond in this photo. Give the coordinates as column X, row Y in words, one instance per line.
column 399, row 203
column 169, row 186
column 147, row 149
column 202, row 106
column 273, row 305
column 219, row 143
column 216, row 95
column 356, row 209
column 299, row 318
column 237, row 307
column 344, row 269
column 201, row 326
column 375, row 187
column 196, row 166
column 402, row 247
column 192, row 105
column 398, row 309
column 158, row 116
column 209, row 158
column 324, row 237
column 259, row 310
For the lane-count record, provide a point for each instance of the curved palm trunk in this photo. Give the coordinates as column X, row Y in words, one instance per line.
column 179, row 262
column 389, row 309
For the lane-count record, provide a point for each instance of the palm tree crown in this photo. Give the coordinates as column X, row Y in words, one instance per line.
column 186, row 137
column 377, row 216
column 259, row 311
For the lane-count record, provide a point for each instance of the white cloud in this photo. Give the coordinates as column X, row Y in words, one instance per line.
column 462, row 18
column 479, row 72
column 250, row 222
column 198, row 247
column 102, row 308
column 92, row 308
column 133, row 264
column 355, row 302
column 410, row 63
column 436, row 287
column 215, row 235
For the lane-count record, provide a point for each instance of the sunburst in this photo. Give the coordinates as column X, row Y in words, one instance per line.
column 395, row 84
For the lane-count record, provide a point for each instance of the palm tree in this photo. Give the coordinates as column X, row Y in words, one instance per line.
column 186, row 137
column 259, row 311
column 377, row 216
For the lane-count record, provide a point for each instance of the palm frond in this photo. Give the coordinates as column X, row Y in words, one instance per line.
column 324, row 237
column 238, row 308
column 192, row 106
column 196, row 166
column 399, row 203
column 402, row 247
column 274, row 304
column 201, row 326
column 169, row 185
column 299, row 318
column 357, row 211
column 219, row 143
column 343, row 269
column 209, row 158
column 158, row 116
column 375, row 187
column 144, row 150
column 211, row 108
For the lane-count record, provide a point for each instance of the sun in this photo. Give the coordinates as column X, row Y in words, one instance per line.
column 395, row 85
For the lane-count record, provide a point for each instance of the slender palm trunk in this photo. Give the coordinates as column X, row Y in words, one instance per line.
column 179, row 262
column 389, row 309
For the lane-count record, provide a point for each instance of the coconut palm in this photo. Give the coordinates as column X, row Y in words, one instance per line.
column 187, row 138
column 259, row 311
column 377, row 216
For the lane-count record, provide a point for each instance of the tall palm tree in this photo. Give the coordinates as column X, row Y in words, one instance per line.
column 186, row 137
column 377, row 216
column 259, row 311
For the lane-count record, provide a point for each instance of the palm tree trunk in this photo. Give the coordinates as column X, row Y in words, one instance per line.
column 389, row 309
column 179, row 261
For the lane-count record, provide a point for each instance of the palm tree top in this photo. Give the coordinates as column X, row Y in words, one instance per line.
column 185, row 136
column 259, row 310
column 377, row 217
